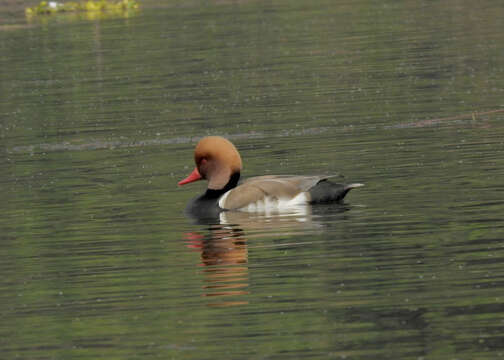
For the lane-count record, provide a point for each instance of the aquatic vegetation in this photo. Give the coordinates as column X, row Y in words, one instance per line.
column 53, row 7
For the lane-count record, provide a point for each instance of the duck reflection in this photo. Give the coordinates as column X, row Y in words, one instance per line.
column 224, row 258
column 224, row 246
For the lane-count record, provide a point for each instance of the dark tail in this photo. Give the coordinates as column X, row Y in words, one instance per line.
column 326, row 191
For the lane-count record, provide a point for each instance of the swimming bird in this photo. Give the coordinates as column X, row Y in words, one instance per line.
column 219, row 162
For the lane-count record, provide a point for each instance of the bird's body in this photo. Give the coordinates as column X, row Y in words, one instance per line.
column 218, row 161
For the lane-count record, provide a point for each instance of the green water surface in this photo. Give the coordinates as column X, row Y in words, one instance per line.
column 99, row 116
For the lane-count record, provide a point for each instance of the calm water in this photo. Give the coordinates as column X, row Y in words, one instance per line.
column 98, row 121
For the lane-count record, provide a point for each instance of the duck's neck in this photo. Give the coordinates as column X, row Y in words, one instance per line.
column 231, row 184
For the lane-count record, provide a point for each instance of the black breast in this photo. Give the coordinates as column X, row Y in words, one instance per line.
column 205, row 208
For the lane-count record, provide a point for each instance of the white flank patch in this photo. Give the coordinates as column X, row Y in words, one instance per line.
column 270, row 205
column 223, row 198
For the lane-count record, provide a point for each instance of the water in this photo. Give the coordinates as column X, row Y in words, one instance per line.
column 99, row 118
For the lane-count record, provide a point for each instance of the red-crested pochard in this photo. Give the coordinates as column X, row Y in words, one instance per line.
column 218, row 161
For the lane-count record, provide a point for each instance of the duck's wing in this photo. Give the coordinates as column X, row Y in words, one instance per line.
column 277, row 184
column 268, row 187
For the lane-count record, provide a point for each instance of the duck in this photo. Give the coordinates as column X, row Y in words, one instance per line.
column 219, row 162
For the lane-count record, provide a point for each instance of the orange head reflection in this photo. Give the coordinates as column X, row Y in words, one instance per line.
column 224, row 259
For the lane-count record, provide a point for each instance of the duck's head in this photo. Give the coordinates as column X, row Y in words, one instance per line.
column 217, row 160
